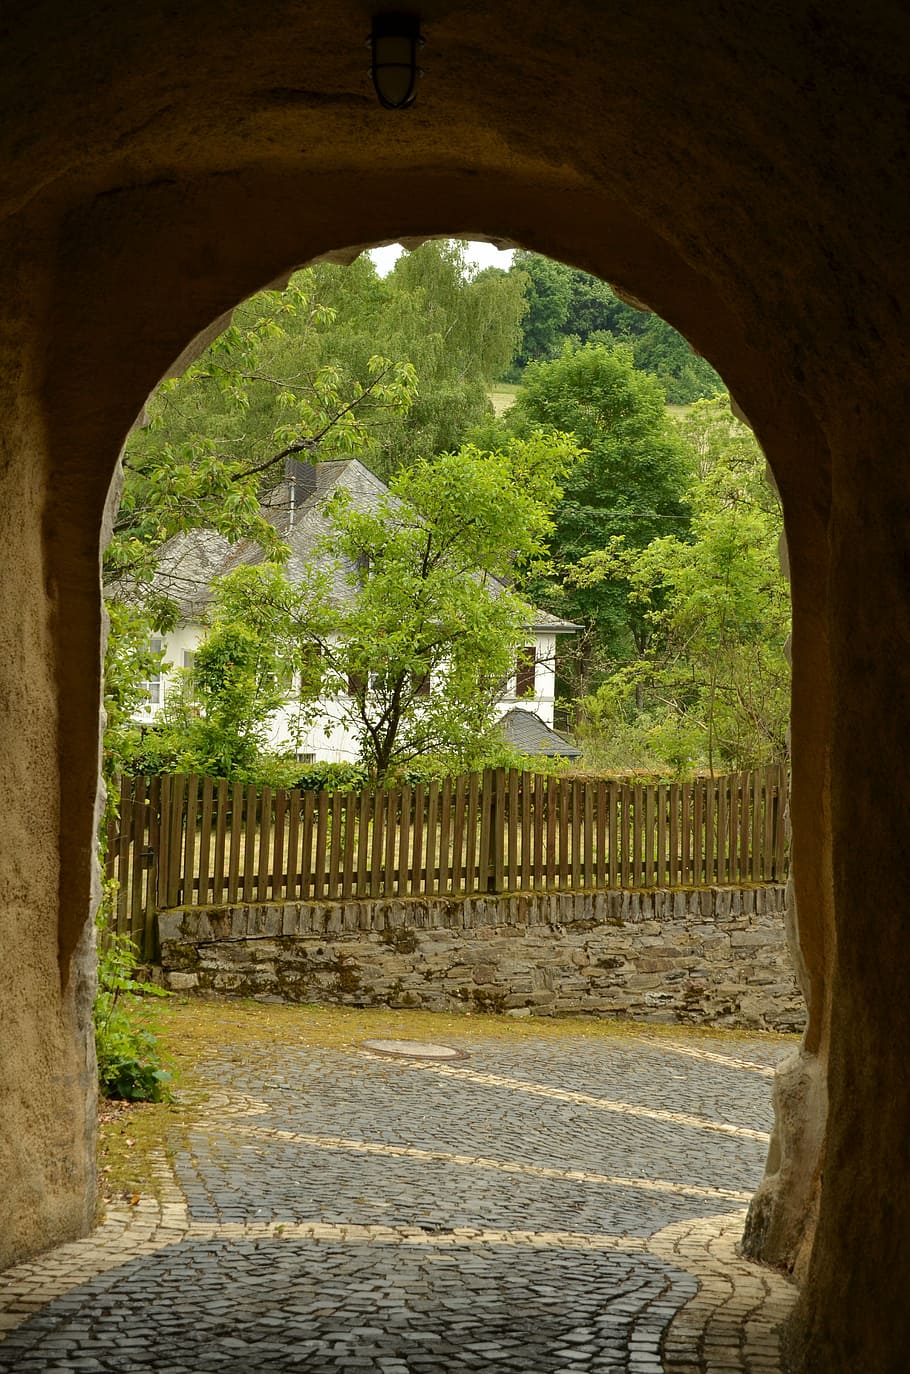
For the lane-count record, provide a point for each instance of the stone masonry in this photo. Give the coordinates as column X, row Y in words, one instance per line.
column 713, row 956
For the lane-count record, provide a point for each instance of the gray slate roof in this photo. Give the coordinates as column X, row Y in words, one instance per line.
column 527, row 733
column 189, row 562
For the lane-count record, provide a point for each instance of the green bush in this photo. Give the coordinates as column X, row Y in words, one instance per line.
column 129, row 1058
column 329, row 777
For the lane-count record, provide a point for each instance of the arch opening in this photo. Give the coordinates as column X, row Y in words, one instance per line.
column 791, row 1163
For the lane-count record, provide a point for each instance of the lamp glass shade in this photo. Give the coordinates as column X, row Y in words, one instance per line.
column 394, row 43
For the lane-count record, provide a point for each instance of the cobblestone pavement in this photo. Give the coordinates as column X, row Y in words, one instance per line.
column 534, row 1206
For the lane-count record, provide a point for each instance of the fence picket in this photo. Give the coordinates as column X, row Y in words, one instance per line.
column 686, row 825
column 511, row 821
column 350, row 839
column 599, row 876
column 377, row 802
column 461, row 833
column 175, row 846
column 205, row 841
column 293, row 871
column 638, row 818
column 151, row 884
column 727, row 830
column 625, row 834
column 732, row 847
column 576, row 833
column 526, row 783
column 333, row 878
column 215, row 859
column 391, row 809
column 613, row 831
column 189, row 852
column 563, row 795
column 264, row 838
column 551, row 855
column 745, row 828
column 673, row 837
column 236, row 842
column 755, row 868
column 780, row 834
column 125, row 803
column 135, row 916
column 433, row 883
column 404, row 841
column 470, row 843
column 767, row 853
column 539, row 807
column 650, row 838
column 279, row 877
column 322, row 800
column 416, row 882
column 110, row 846
column 164, row 832
column 498, row 829
column 484, row 870
column 250, row 805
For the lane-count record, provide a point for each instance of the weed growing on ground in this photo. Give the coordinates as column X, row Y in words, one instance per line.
column 126, row 1043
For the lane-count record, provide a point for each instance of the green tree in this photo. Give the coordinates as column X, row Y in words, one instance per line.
column 684, row 375
column 565, row 304
column 548, row 291
column 219, row 435
column 246, row 666
column 213, row 441
column 414, row 659
column 460, row 330
column 308, row 372
column 712, row 684
column 630, row 482
column 421, row 652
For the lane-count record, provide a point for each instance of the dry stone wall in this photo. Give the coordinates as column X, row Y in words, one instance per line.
column 714, row 956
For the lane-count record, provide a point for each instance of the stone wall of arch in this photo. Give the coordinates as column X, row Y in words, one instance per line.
column 742, row 170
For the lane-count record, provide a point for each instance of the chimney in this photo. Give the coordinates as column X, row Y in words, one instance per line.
column 300, row 475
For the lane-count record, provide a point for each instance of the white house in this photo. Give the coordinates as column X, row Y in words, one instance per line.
column 296, row 507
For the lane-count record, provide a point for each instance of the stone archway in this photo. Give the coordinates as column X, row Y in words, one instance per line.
column 741, row 172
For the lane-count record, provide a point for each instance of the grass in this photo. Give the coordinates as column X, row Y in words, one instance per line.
column 503, row 395
column 194, row 1030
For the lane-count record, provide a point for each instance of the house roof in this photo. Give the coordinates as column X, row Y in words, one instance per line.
column 189, row 562
column 527, row 733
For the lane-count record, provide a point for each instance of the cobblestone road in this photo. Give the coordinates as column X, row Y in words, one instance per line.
column 538, row 1205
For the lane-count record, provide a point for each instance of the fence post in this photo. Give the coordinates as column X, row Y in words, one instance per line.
column 150, row 950
column 137, row 864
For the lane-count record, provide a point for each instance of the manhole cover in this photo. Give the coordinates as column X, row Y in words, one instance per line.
column 412, row 1049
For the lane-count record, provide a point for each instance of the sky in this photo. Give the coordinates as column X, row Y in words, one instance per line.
column 483, row 254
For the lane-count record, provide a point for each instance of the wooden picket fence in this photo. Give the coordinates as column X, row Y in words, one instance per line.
column 199, row 841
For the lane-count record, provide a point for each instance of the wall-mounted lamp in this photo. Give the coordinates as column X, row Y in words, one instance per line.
column 394, row 43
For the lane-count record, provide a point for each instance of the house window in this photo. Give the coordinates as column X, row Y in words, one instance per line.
column 524, row 672
column 189, row 659
column 154, row 685
column 356, row 685
column 420, row 684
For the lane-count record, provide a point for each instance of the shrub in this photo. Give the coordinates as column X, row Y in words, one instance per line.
column 129, row 1058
